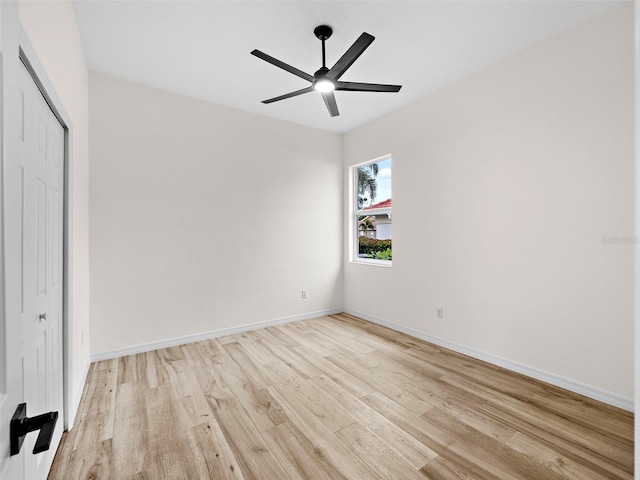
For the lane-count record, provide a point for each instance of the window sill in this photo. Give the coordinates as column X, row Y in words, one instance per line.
column 375, row 263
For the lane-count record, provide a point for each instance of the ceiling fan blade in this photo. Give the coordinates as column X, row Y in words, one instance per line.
column 366, row 87
column 282, row 65
column 350, row 56
column 330, row 101
column 289, row 95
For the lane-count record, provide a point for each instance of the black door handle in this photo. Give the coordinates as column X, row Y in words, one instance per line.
column 21, row 425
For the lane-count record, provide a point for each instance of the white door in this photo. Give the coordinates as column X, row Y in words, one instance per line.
column 42, row 164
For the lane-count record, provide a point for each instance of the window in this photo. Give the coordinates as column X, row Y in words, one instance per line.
column 372, row 228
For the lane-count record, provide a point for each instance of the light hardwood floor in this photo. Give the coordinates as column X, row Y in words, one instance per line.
column 333, row 398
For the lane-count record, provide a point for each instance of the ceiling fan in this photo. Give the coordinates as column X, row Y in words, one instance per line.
column 327, row 80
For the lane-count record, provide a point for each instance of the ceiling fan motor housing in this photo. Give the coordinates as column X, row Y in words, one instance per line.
column 321, row 73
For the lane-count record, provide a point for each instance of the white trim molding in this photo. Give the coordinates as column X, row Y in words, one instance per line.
column 29, row 57
column 172, row 342
column 75, row 403
column 558, row 381
column 571, row 385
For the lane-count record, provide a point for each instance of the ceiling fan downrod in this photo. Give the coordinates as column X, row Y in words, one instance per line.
column 323, row 32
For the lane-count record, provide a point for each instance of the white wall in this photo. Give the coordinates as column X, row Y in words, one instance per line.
column 515, row 174
column 504, row 185
column 53, row 32
column 204, row 217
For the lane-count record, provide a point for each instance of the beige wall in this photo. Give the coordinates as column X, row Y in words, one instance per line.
column 53, row 32
column 204, row 217
column 505, row 185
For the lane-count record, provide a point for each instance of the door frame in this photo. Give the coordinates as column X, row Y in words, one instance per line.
column 15, row 49
column 28, row 57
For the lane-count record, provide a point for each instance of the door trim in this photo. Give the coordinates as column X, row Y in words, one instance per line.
column 29, row 58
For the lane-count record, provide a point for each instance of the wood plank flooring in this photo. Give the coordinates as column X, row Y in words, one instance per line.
column 333, row 398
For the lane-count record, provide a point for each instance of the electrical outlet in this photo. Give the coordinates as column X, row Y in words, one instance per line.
column 304, row 294
column 439, row 312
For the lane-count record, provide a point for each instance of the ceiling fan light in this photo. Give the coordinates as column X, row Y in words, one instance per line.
column 324, row 85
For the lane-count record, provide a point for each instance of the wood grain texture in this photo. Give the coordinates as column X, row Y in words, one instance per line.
column 333, row 398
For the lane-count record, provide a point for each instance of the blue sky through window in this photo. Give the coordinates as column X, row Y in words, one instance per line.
column 384, row 182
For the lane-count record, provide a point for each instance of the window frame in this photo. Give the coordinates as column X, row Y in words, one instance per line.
column 355, row 213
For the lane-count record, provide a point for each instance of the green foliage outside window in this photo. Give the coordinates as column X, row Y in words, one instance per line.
column 373, row 248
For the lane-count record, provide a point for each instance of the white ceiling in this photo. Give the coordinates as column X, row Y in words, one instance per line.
column 202, row 48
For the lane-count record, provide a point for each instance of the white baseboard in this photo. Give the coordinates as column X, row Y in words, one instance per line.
column 73, row 411
column 576, row 387
column 573, row 386
column 172, row 342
